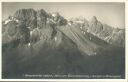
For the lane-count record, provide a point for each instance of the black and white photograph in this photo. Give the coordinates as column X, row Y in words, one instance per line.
column 63, row 40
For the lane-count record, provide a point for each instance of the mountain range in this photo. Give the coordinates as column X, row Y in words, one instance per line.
column 39, row 42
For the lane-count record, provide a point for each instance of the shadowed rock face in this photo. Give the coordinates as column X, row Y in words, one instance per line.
column 28, row 16
column 41, row 18
column 43, row 43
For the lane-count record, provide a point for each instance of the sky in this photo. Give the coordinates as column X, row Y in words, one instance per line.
column 112, row 14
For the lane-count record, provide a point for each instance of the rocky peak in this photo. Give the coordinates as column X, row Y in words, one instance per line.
column 41, row 18
column 94, row 19
column 24, row 14
column 28, row 16
column 95, row 26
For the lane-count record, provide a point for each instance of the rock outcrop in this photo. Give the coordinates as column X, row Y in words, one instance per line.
column 95, row 26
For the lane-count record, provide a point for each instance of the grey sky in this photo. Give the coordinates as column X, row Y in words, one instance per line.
column 112, row 14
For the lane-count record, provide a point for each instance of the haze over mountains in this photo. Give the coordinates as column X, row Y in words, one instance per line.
column 47, row 43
